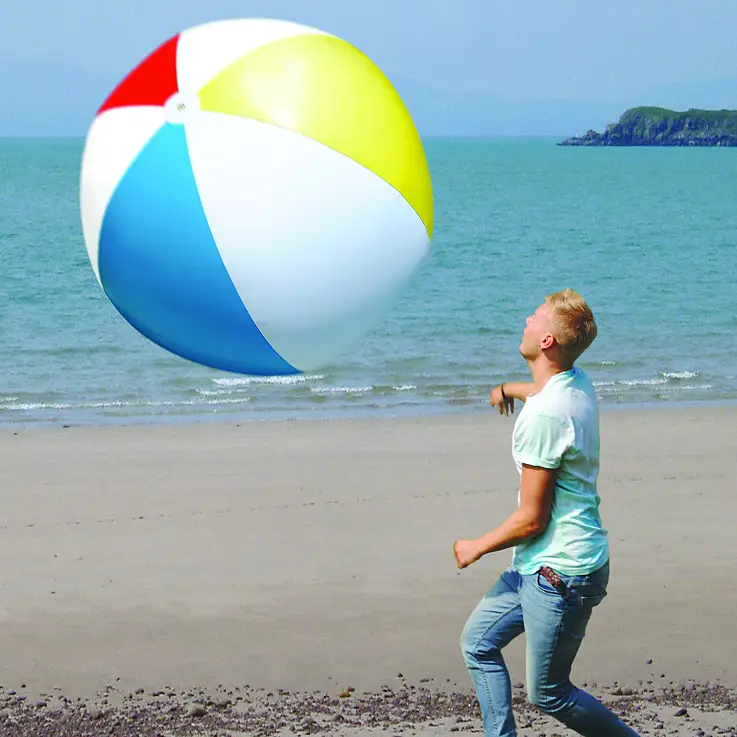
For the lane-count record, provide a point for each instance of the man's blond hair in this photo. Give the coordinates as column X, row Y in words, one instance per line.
column 574, row 326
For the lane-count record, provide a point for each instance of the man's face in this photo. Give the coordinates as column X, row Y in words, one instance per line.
column 538, row 333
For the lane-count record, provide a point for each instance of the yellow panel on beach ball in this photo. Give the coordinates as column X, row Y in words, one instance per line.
column 324, row 88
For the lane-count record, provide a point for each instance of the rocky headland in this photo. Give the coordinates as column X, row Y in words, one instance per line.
column 655, row 126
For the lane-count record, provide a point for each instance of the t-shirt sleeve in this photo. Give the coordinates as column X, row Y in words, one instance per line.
column 542, row 441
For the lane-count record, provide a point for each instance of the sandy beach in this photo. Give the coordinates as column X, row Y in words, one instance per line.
column 184, row 573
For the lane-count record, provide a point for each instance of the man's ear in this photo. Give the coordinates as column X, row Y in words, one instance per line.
column 547, row 342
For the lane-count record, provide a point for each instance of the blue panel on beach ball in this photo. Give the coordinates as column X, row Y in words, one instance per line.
column 161, row 268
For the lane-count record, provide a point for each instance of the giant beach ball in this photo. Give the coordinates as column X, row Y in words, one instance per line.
column 255, row 196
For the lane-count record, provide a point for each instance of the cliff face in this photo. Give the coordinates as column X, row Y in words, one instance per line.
column 651, row 126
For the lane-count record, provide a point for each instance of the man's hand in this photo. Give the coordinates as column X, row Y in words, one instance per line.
column 466, row 552
column 505, row 404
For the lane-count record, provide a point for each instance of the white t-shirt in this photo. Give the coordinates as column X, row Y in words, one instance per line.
column 559, row 428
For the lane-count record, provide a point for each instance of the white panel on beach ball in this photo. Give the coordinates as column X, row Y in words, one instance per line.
column 257, row 209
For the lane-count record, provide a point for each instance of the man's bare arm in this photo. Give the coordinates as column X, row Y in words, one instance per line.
column 528, row 520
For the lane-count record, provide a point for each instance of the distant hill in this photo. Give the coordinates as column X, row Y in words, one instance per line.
column 657, row 126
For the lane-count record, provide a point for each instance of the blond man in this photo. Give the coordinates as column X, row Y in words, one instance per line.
column 560, row 561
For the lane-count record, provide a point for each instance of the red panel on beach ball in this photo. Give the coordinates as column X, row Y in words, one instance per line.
column 152, row 82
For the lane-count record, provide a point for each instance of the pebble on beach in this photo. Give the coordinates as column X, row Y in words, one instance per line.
column 395, row 709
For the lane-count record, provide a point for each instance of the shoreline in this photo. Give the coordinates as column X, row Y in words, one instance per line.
column 373, row 415
column 304, row 557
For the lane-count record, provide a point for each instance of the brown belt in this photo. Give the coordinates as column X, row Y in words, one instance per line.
column 554, row 580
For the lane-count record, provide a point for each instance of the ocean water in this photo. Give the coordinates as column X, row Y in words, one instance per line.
column 648, row 236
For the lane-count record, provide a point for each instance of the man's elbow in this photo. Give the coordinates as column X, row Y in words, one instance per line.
column 536, row 526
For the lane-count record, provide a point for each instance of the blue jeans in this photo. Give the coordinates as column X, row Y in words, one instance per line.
column 554, row 623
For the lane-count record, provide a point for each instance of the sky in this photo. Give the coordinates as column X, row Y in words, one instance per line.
column 463, row 67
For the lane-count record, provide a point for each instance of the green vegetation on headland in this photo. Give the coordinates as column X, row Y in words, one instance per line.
column 657, row 126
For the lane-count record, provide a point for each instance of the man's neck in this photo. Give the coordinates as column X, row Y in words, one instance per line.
column 543, row 371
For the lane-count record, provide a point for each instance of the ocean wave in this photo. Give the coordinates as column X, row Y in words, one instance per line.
column 672, row 378
column 342, row 389
column 28, row 406
column 663, row 379
column 239, row 386
column 363, row 389
column 661, row 387
column 643, row 382
column 248, row 380
column 120, row 404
